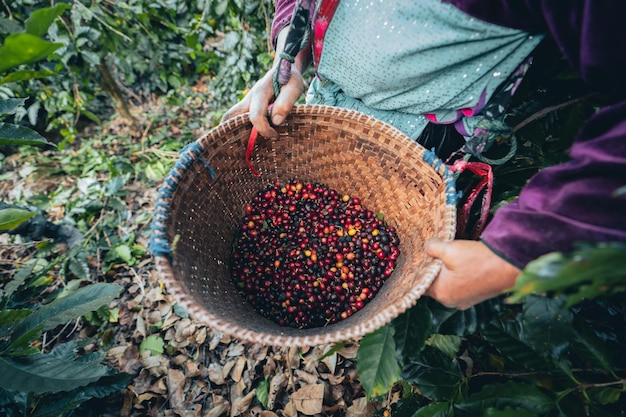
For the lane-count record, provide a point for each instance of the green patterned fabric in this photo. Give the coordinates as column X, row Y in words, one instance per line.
column 398, row 60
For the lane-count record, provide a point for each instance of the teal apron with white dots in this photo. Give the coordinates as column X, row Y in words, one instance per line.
column 408, row 62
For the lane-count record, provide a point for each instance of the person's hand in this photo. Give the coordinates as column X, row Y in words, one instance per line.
column 259, row 98
column 470, row 273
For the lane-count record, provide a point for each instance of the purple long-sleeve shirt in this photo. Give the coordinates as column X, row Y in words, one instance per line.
column 577, row 200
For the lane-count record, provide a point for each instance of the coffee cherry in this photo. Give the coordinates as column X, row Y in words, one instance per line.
column 307, row 256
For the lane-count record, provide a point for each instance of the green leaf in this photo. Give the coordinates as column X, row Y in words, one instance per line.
column 62, row 405
column 448, row 344
column 40, row 20
column 508, row 412
column 11, row 316
column 509, row 394
column 10, row 218
column 42, row 373
column 24, row 48
column 10, row 105
column 411, row 330
column 16, row 135
column 23, row 344
column 91, row 57
column 262, row 392
column 435, row 410
column 174, row 81
column 377, row 363
column 546, row 327
column 590, row 347
column 75, row 305
column 435, row 374
column 124, row 253
column 154, row 343
column 79, row 267
column 604, row 395
column 452, row 321
column 70, row 401
column 18, row 279
column 107, row 385
column 9, row 26
column 506, row 336
column 22, row 75
column 590, row 271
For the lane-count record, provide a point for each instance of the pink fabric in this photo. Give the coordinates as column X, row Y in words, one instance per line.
column 282, row 17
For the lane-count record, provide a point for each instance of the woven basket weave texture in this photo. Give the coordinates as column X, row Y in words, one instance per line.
column 202, row 202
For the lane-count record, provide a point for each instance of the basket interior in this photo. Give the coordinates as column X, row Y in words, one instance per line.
column 345, row 150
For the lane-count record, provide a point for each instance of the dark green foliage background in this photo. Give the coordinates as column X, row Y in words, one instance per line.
column 149, row 47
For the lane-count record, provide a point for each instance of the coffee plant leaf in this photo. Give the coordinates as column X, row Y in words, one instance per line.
column 41, row 373
column 435, row 409
column 22, row 75
column 452, row 321
column 514, row 395
column 24, row 343
column 18, row 282
column 436, row 375
column 15, row 135
column 411, row 330
column 377, row 363
column 447, row 343
column 508, row 412
column 605, row 395
column 106, row 385
column 24, row 48
column 546, row 326
column 586, row 273
column 68, row 403
column 71, row 307
column 9, row 26
column 10, row 105
column 590, row 347
column 506, row 337
column 40, row 20
column 10, row 218
column 9, row 316
column 79, row 265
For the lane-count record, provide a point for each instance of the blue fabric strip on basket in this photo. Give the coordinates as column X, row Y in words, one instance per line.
column 159, row 246
column 448, row 177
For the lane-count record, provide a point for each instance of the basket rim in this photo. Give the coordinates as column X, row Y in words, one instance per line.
column 161, row 251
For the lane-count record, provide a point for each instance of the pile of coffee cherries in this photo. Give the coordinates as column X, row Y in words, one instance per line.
column 307, row 256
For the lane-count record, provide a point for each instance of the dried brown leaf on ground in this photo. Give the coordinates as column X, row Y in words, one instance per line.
column 309, row 399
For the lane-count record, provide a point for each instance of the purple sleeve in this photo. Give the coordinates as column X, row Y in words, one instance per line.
column 282, row 17
column 571, row 202
column 575, row 201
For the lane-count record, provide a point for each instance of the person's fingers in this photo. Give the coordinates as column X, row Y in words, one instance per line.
column 236, row 110
column 259, row 104
column 436, row 248
column 289, row 95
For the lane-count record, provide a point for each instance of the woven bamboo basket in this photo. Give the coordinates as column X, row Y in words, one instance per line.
column 202, row 200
